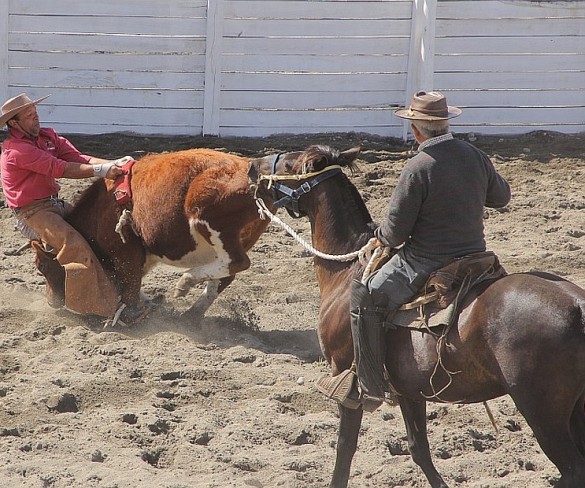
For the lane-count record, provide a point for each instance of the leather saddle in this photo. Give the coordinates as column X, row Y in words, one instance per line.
column 439, row 301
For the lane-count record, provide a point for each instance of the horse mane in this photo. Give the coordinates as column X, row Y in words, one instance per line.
column 318, row 157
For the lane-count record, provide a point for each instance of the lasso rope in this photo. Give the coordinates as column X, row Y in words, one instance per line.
column 367, row 254
column 263, row 211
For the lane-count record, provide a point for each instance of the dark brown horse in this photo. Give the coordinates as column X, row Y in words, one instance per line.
column 523, row 335
column 192, row 209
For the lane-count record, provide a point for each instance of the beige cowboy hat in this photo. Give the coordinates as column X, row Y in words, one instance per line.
column 428, row 106
column 15, row 105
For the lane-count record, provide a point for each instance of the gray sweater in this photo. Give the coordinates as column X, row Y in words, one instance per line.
column 437, row 206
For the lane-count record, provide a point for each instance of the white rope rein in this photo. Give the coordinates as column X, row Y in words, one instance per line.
column 263, row 211
column 370, row 253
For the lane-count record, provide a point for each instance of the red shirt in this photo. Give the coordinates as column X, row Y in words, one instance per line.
column 29, row 168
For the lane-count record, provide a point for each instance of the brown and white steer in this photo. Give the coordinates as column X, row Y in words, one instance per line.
column 191, row 209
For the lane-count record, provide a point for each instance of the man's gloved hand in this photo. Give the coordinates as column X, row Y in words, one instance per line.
column 107, row 170
column 101, row 170
column 122, row 161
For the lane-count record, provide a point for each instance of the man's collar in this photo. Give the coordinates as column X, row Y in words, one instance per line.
column 18, row 134
column 433, row 141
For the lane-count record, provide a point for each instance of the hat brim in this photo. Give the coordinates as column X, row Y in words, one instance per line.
column 11, row 113
column 407, row 113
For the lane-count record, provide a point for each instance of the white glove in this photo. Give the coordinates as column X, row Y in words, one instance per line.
column 102, row 169
column 122, row 161
column 365, row 253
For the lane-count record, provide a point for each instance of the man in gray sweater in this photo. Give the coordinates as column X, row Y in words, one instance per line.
column 436, row 212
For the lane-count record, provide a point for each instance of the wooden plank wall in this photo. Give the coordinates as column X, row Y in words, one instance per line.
column 313, row 66
column 513, row 66
column 111, row 65
column 257, row 67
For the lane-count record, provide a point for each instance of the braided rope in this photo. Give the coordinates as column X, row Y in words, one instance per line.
column 263, row 211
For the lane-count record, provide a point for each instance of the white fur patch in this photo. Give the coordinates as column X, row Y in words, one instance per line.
column 208, row 261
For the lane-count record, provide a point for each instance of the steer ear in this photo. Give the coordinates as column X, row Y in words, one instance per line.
column 348, row 156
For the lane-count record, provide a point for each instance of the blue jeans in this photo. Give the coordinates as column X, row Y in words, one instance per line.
column 402, row 277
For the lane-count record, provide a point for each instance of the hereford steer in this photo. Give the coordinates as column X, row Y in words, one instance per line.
column 192, row 209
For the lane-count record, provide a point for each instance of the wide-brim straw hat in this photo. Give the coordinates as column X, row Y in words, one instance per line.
column 15, row 105
column 428, row 106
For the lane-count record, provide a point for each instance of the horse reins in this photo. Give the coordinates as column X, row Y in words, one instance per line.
column 292, row 196
column 290, row 200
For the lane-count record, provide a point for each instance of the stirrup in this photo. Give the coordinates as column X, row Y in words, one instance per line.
column 339, row 387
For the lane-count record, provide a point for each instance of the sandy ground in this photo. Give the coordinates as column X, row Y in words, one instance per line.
column 231, row 402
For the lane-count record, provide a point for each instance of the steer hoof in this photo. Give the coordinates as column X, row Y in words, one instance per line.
column 180, row 292
column 194, row 315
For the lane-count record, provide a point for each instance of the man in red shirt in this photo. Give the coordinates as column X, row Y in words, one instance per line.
column 32, row 159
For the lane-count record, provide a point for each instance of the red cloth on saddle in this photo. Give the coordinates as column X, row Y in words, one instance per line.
column 122, row 190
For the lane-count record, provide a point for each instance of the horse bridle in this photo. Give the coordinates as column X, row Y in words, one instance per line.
column 290, row 200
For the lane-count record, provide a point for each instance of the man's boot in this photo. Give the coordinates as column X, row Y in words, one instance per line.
column 369, row 341
column 368, row 313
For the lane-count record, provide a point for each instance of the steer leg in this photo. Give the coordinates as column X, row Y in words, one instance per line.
column 214, row 271
column 212, row 290
column 218, row 255
column 185, row 283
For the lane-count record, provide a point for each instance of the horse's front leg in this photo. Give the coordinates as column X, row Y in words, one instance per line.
column 414, row 415
column 349, row 429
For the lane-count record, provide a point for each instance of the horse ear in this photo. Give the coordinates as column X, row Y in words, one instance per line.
column 348, row 156
column 319, row 164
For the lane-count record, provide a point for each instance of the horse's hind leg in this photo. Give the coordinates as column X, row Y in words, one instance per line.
column 349, row 428
column 414, row 415
column 557, row 424
column 578, row 425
